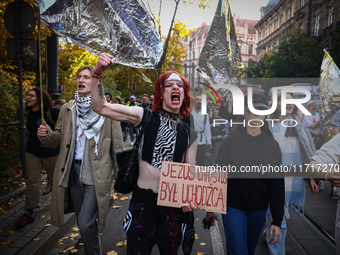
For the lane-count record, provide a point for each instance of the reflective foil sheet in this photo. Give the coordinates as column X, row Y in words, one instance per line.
column 220, row 57
column 122, row 28
column 329, row 92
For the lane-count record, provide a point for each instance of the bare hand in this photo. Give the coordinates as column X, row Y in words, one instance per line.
column 274, row 230
column 43, row 130
column 189, row 208
column 105, row 60
column 212, row 215
column 314, row 186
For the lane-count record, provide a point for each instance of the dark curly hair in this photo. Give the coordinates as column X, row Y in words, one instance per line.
column 159, row 88
column 47, row 100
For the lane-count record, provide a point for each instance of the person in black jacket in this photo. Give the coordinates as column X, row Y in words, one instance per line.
column 249, row 193
column 36, row 155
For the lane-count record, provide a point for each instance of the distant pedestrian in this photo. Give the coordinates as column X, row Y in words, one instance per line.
column 313, row 123
column 108, row 97
column 202, row 128
column 86, row 163
column 297, row 148
column 145, row 102
column 131, row 128
column 37, row 156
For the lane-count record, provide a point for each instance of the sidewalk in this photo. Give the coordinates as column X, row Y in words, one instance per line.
column 38, row 237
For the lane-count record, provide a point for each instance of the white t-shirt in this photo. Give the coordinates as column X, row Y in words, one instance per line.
column 308, row 120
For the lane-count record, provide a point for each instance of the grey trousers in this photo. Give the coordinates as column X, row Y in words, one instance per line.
column 86, row 207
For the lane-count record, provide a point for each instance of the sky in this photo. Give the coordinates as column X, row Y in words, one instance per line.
column 192, row 16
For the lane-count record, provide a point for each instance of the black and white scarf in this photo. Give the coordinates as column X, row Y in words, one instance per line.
column 90, row 122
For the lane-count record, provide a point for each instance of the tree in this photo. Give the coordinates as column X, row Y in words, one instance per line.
column 296, row 57
column 9, row 97
column 334, row 48
column 176, row 52
column 202, row 4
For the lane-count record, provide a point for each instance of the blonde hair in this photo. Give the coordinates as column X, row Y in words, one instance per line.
column 310, row 103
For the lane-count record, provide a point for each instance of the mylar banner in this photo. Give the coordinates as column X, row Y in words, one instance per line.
column 329, row 96
column 122, row 28
column 220, row 57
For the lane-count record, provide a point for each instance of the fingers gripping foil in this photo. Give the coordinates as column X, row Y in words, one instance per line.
column 122, row 28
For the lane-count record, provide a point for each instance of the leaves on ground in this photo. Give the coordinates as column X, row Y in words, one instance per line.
column 124, row 198
column 74, row 251
column 116, row 206
column 120, row 244
column 200, row 253
column 11, row 232
column 112, row 253
column 6, row 242
column 196, row 236
column 48, row 225
column 75, row 229
column 203, row 244
column 66, row 249
column 73, row 236
column 37, row 239
column 41, row 216
column 34, row 230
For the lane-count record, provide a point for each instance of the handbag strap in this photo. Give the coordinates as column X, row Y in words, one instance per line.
column 139, row 138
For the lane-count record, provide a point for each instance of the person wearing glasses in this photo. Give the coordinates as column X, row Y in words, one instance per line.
column 37, row 156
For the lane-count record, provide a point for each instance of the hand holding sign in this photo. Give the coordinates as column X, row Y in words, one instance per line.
column 181, row 184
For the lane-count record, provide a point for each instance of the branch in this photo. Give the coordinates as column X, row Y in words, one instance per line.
column 160, row 64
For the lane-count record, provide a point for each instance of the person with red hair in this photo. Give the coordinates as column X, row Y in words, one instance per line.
column 166, row 137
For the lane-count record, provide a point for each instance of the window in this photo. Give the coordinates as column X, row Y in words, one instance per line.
column 330, row 16
column 288, row 14
column 185, row 69
column 193, row 54
column 281, row 20
column 250, row 50
column 275, row 24
column 316, row 26
column 302, row 3
column 270, row 29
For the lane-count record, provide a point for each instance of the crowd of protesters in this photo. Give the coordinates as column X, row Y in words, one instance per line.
column 74, row 150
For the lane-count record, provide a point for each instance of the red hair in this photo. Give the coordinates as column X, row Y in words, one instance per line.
column 159, row 88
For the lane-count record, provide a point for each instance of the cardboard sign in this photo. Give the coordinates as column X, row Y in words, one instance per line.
column 181, row 184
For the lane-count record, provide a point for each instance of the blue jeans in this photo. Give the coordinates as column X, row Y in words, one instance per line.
column 132, row 131
column 86, row 208
column 279, row 246
column 242, row 230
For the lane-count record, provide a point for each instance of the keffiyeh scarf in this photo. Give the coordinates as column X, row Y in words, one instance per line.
column 90, row 122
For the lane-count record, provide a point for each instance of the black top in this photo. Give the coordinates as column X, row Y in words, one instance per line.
column 254, row 192
column 33, row 122
column 166, row 137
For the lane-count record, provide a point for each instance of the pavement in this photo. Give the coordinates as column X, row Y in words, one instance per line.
column 311, row 234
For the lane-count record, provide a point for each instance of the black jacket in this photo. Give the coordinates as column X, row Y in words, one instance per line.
column 251, row 191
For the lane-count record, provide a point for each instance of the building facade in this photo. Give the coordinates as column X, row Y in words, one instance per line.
column 316, row 18
column 194, row 45
column 246, row 38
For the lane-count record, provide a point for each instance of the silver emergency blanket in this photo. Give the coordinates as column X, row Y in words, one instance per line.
column 122, row 28
column 220, row 57
column 329, row 95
